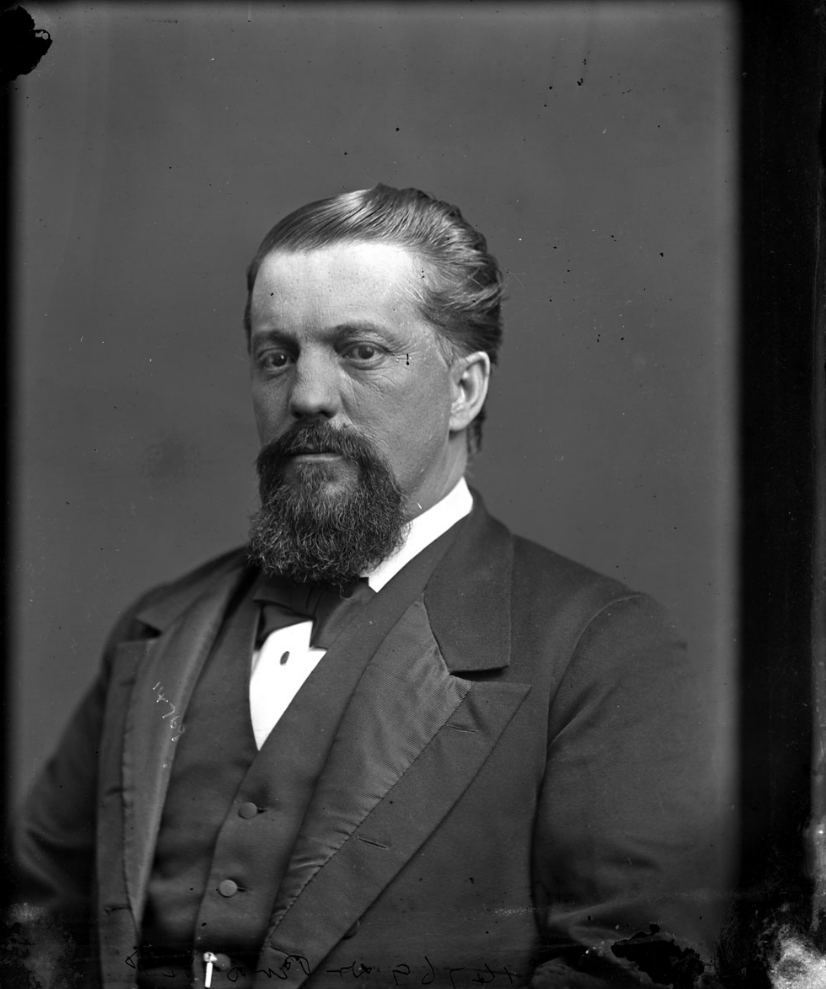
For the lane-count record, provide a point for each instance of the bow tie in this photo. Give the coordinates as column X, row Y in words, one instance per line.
column 329, row 608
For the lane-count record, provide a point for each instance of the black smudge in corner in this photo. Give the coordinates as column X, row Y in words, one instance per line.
column 22, row 45
column 662, row 960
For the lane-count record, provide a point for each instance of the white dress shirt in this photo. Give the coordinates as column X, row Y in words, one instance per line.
column 286, row 659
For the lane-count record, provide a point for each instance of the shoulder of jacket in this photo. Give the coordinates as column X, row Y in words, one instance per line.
column 162, row 600
column 561, row 590
column 538, row 571
column 561, row 607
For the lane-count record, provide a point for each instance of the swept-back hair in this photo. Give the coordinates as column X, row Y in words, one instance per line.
column 461, row 290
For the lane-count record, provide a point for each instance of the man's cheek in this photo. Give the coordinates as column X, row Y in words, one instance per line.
column 268, row 407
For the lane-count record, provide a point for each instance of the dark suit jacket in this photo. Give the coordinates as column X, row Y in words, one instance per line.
column 522, row 778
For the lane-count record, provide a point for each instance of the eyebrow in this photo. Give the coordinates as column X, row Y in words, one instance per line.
column 341, row 331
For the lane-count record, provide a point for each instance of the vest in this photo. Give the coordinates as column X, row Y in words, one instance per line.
column 232, row 813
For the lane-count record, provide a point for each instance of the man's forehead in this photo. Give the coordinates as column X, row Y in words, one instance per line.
column 343, row 273
column 363, row 260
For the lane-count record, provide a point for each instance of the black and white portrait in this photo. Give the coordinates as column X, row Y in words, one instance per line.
column 432, row 311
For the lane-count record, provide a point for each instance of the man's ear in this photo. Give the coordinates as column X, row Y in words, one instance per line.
column 470, row 375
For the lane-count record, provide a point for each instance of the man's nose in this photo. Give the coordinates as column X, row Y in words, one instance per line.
column 315, row 386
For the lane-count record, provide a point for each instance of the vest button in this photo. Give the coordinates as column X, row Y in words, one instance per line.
column 228, row 888
column 247, row 811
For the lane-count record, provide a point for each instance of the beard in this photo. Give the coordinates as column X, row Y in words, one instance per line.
column 315, row 526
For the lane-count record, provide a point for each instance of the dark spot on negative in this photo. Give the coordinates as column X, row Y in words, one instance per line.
column 22, row 45
column 662, row 960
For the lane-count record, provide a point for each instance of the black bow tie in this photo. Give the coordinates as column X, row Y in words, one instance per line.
column 329, row 608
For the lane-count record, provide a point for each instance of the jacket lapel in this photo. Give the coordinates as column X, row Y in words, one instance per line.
column 412, row 738
column 154, row 722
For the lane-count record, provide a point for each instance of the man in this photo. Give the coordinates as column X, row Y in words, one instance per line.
column 388, row 743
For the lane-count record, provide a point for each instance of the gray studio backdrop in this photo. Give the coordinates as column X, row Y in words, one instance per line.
column 594, row 145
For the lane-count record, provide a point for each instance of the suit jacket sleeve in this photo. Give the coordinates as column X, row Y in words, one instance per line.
column 53, row 840
column 628, row 854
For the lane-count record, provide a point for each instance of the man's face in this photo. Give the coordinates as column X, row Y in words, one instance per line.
column 336, row 337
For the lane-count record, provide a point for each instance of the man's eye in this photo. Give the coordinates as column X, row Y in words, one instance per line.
column 362, row 352
column 273, row 360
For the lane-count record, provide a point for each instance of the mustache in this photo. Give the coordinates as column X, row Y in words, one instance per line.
column 317, row 436
column 304, row 532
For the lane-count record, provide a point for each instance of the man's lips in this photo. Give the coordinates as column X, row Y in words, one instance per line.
column 315, row 455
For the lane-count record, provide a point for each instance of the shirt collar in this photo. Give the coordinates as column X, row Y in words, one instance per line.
column 422, row 531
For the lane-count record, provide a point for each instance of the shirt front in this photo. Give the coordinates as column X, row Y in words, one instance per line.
column 286, row 658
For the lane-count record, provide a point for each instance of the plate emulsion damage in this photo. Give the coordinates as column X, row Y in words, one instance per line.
column 22, row 45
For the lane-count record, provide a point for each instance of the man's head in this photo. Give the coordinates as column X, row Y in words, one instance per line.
column 372, row 319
